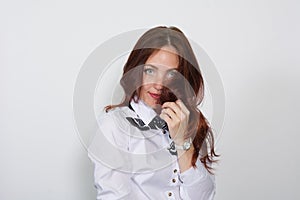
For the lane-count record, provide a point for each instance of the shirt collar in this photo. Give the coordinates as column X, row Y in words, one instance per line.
column 145, row 112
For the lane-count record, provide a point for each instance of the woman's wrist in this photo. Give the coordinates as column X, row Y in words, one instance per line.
column 185, row 158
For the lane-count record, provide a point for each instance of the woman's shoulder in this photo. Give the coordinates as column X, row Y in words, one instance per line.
column 115, row 117
column 117, row 112
column 113, row 126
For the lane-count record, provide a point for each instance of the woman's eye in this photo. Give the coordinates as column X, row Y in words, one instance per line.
column 171, row 74
column 149, row 71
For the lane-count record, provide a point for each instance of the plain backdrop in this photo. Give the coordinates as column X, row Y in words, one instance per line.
column 254, row 45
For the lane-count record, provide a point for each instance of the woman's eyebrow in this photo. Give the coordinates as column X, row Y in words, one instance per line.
column 173, row 69
column 151, row 65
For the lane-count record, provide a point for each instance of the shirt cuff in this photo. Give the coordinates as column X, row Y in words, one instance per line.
column 193, row 175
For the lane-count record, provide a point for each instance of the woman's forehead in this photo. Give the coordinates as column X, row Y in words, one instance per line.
column 166, row 57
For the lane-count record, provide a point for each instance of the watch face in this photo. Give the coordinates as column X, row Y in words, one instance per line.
column 186, row 146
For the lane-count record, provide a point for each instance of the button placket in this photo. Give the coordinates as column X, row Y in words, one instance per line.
column 175, row 175
column 174, row 178
column 176, row 172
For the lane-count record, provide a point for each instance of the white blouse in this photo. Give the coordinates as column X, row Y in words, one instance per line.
column 134, row 162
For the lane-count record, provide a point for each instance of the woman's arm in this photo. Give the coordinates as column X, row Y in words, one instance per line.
column 197, row 183
column 177, row 117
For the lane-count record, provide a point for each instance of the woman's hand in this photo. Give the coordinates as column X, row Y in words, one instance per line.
column 176, row 115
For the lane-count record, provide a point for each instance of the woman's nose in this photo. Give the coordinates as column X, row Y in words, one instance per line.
column 158, row 84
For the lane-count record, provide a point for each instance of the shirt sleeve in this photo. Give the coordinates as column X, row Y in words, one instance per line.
column 108, row 153
column 197, row 183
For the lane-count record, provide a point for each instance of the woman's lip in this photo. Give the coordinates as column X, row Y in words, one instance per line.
column 155, row 96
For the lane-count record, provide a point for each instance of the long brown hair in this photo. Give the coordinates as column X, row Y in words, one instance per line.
column 131, row 81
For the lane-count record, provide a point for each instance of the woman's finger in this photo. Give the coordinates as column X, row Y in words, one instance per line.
column 165, row 117
column 173, row 106
column 182, row 107
column 171, row 114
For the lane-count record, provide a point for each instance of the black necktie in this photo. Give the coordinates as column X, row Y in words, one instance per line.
column 156, row 123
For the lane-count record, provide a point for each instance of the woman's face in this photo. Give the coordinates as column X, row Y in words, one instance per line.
column 161, row 66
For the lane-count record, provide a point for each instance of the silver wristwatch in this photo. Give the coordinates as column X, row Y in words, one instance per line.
column 186, row 145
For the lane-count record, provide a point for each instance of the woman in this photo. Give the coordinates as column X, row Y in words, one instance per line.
column 164, row 146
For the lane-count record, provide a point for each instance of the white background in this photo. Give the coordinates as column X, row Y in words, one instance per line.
column 254, row 45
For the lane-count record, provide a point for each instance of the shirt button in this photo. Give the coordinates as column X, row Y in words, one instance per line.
column 175, row 171
column 170, row 194
column 173, row 180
